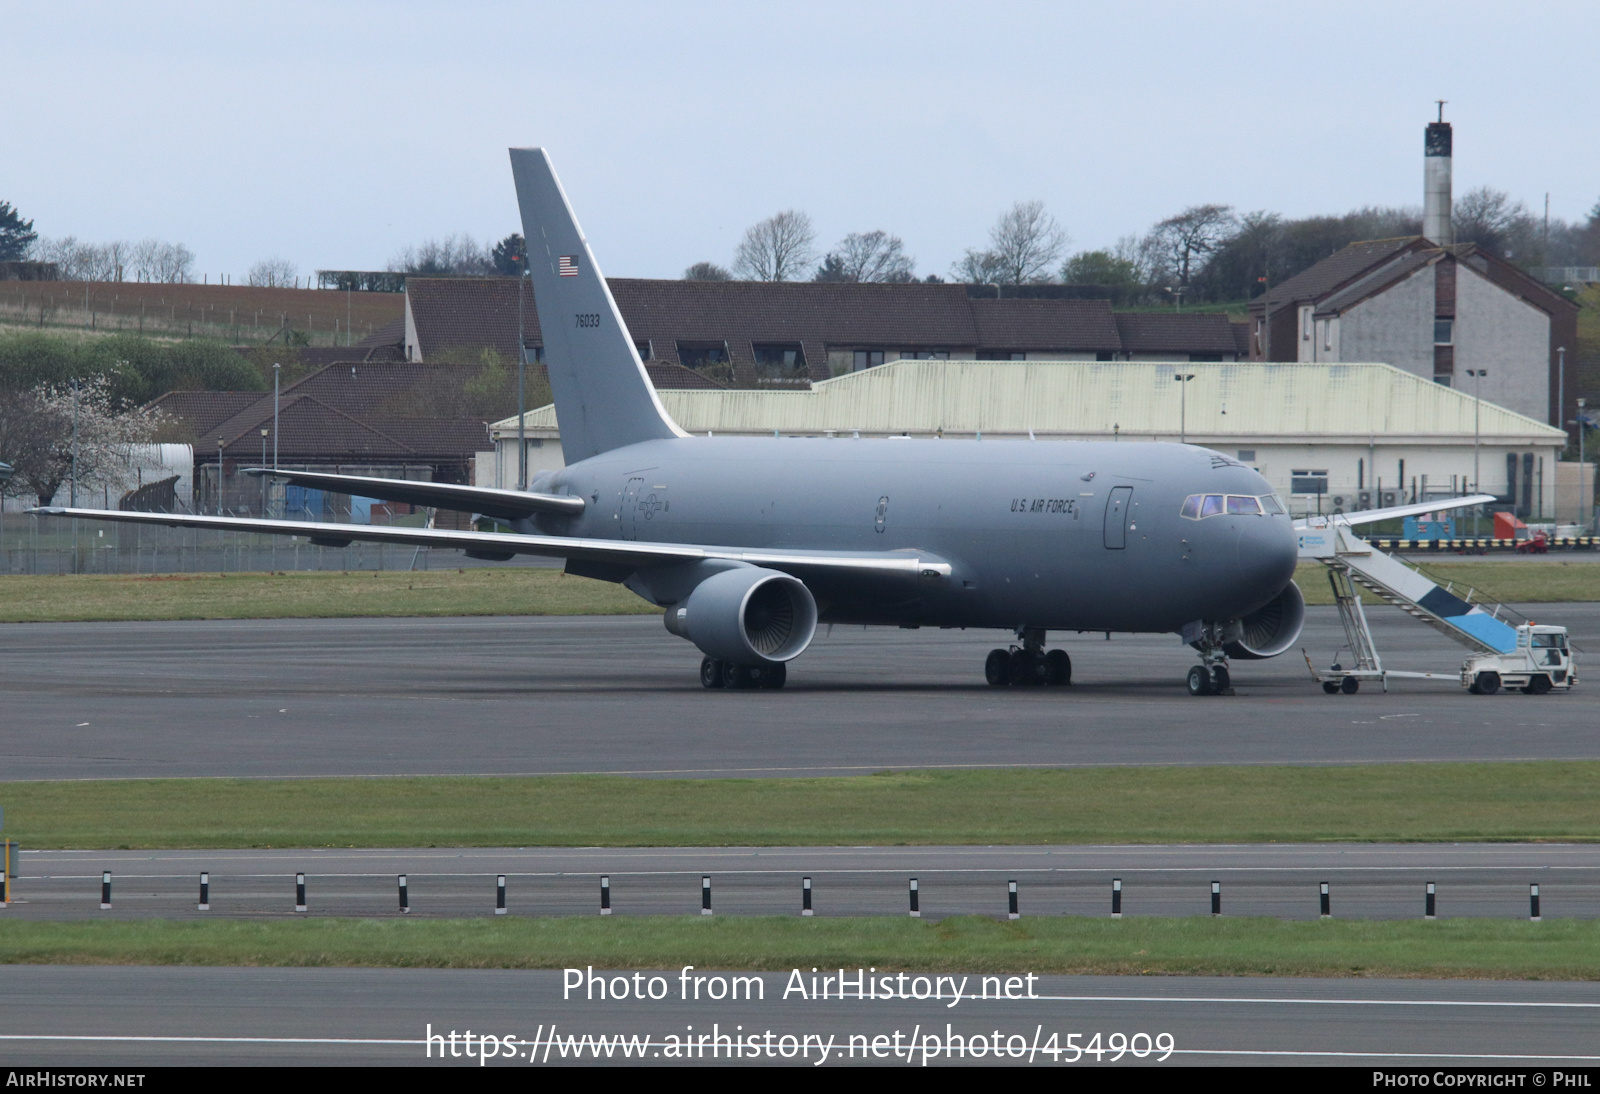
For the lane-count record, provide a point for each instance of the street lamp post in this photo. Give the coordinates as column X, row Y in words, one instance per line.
column 219, row 476
column 277, row 370
column 1583, row 495
column 1183, row 379
column 263, row 464
column 1477, row 375
column 1561, row 385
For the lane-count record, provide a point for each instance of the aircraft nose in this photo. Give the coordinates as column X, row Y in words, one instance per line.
column 1268, row 551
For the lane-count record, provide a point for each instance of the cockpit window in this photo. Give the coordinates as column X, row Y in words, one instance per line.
column 1200, row 506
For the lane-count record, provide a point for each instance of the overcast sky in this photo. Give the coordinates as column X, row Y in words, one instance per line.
column 333, row 134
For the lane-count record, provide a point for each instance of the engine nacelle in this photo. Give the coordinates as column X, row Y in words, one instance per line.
column 1270, row 629
column 747, row 616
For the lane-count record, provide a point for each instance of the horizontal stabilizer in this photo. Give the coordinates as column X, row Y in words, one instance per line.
column 504, row 504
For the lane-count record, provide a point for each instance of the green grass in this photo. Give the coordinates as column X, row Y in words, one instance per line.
column 1198, row 946
column 311, row 595
column 526, row 591
column 1380, row 802
column 1525, row 581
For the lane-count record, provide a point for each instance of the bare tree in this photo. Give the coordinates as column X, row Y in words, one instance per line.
column 867, row 256
column 36, row 433
column 1492, row 219
column 273, row 273
column 154, row 260
column 454, row 254
column 976, row 267
column 79, row 261
column 1183, row 241
column 780, row 248
column 1024, row 246
column 706, row 271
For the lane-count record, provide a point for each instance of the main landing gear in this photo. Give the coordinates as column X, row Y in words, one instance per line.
column 1028, row 664
column 725, row 674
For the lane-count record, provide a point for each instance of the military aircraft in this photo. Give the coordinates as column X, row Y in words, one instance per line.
column 748, row 544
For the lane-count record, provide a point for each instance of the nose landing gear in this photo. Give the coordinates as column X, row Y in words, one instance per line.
column 1028, row 664
column 1210, row 677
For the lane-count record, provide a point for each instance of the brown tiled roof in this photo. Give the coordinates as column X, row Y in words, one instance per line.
column 471, row 312
column 1175, row 332
column 1377, row 280
column 392, row 333
column 203, row 411
column 1340, row 268
column 1044, row 325
column 672, row 377
column 1241, row 339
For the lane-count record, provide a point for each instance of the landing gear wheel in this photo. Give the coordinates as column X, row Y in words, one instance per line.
column 1349, row 685
column 995, row 668
column 1488, row 683
column 1538, row 685
column 1057, row 668
column 1220, row 680
column 1024, row 668
column 774, row 676
column 711, row 673
column 1199, row 681
column 1330, row 687
column 738, row 677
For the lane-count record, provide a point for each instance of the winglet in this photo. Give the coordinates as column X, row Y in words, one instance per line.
column 604, row 399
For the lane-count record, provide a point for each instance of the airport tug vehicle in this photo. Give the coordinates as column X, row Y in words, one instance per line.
column 1534, row 658
column 1542, row 662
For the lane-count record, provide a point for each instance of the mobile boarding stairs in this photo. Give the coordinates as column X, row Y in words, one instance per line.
column 1506, row 651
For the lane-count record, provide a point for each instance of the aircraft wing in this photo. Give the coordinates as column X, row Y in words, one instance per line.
column 503, row 545
column 504, row 504
column 1369, row 516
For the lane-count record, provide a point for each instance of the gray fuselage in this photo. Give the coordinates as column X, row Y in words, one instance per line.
column 1057, row 535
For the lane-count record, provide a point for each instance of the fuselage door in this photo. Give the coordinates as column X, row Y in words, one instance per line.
column 1117, row 517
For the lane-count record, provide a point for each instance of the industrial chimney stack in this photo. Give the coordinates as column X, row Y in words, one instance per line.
column 1436, row 183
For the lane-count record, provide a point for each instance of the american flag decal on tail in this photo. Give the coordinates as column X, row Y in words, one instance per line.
column 567, row 265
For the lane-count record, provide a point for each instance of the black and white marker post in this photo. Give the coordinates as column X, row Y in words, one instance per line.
column 1427, row 902
column 705, row 895
column 916, row 909
column 105, row 890
column 1533, row 903
column 405, row 900
column 1216, row 898
column 805, row 896
column 605, row 896
column 5, row 894
column 205, row 892
column 1011, row 901
column 1325, row 901
column 299, row 892
column 1116, row 898
column 500, row 894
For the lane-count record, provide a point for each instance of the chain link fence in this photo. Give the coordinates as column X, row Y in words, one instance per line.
column 52, row 545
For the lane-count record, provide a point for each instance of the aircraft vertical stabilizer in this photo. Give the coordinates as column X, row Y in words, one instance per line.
column 604, row 399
